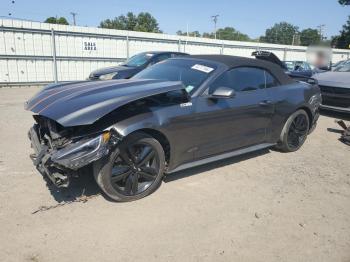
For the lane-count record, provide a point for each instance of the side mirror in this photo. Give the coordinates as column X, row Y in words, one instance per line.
column 223, row 92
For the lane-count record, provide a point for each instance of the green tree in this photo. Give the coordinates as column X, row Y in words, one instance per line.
column 121, row 22
column 55, row 20
column 147, row 23
column 344, row 2
column 143, row 22
column 228, row 33
column 281, row 33
column 309, row 36
column 208, row 35
column 194, row 33
column 343, row 40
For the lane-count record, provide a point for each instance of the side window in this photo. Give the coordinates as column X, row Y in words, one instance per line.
column 271, row 81
column 160, row 58
column 241, row 79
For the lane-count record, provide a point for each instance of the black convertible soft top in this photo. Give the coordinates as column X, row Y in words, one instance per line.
column 238, row 61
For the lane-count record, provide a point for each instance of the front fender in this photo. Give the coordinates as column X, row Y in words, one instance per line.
column 147, row 120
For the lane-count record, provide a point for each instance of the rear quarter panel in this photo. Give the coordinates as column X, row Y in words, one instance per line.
column 287, row 99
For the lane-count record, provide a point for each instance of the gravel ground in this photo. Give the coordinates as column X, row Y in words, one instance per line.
column 265, row 206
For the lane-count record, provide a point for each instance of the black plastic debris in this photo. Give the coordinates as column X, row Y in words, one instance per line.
column 345, row 137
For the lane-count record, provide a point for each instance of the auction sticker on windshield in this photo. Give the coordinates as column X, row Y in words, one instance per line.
column 202, row 68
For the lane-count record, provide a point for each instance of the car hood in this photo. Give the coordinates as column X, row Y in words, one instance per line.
column 83, row 103
column 337, row 79
column 112, row 69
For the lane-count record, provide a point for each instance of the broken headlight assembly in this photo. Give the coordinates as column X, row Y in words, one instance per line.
column 82, row 152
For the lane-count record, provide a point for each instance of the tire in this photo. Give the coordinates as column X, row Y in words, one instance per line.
column 294, row 132
column 133, row 170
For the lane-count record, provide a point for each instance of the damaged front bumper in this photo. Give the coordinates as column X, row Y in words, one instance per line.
column 60, row 164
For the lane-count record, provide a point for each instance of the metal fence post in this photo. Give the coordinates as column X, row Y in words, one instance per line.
column 179, row 46
column 54, row 61
column 222, row 49
column 127, row 47
column 285, row 54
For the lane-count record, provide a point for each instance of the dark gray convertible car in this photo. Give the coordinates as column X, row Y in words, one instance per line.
column 177, row 114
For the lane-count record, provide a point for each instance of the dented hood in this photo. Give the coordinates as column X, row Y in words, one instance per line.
column 83, row 103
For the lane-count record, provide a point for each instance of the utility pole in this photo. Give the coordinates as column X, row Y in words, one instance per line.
column 321, row 30
column 215, row 20
column 10, row 13
column 296, row 39
column 74, row 14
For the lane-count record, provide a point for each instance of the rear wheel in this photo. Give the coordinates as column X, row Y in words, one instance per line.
column 295, row 132
column 134, row 170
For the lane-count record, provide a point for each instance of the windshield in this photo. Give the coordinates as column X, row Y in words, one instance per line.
column 343, row 68
column 191, row 73
column 138, row 60
column 339, row 63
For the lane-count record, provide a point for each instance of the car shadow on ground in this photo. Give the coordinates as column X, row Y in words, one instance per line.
column 210, row 166
column 82, row 187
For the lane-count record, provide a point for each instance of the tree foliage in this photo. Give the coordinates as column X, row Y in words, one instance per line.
column 229, row 33
column 344, row 2
column 280, row 33
column 343, row 40
column 143, row 22
column 194, row 33
column 56, row 20
column 310, row 36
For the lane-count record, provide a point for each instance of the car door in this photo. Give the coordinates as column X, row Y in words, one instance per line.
column 226, row 124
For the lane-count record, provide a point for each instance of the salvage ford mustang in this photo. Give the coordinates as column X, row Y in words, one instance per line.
column 177, row 114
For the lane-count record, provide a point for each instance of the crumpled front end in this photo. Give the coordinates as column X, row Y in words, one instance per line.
column 59, row 154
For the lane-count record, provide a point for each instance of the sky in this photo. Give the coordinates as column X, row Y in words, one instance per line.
column 250, row 17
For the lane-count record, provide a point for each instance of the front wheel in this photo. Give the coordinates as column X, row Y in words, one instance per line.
column 133, row 170
column 294, row 132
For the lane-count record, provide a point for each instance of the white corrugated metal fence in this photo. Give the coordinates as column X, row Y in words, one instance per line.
column 32, row 52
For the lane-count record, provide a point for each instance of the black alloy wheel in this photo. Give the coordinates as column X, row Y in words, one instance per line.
column 298, row 131
column 133, row 170
column 295, row 132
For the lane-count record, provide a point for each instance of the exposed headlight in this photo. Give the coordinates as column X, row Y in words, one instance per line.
column 108, row 76
column 82, row 153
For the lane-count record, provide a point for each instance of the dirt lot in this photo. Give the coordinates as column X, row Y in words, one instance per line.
column 265, row 206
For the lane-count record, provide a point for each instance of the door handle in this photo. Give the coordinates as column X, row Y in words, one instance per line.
column 265, row 103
